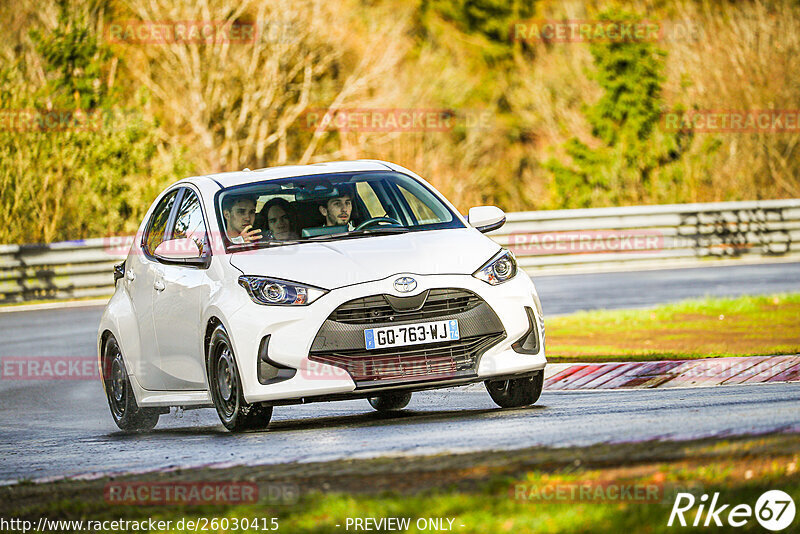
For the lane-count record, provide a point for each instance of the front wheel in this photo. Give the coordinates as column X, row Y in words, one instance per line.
column 516, row 392
column 126, row 413
column 226, row 388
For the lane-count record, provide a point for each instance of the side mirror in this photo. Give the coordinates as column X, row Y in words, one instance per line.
column 178, row 250
column 486, row 218
column 119, row 271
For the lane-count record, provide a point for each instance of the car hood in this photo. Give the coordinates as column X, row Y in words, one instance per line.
column 353, row 261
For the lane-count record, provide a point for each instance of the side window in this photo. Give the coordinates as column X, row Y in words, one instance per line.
column 158, row 222
column 422, row 212
column 189, row 222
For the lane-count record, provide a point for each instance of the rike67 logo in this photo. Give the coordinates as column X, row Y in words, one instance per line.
column 774, row 510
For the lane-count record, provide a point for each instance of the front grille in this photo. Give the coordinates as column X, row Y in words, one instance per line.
column 453, row 360
column 377, row 309
column 340, row 340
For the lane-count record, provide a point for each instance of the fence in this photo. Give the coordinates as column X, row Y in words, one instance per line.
column 652, row 236
column 544, row 242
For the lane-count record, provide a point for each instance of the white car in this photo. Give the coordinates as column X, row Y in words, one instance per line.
column 363, row 282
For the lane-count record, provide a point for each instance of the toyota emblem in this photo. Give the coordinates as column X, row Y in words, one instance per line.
column 405, row 284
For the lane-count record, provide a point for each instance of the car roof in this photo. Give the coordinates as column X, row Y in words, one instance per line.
column 229, row 179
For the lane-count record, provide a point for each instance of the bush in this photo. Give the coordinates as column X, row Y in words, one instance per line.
column 73, row 162
column 632, row 151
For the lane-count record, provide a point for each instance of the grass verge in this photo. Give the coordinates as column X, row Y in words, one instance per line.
column 743, row 326
column 605, row 488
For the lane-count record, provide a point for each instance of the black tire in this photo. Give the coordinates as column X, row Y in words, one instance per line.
column 226, row 388
column 126, row 413
column 390, row 402
column 516, row 392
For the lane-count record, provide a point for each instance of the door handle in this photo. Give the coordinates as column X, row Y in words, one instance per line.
column 158, row 285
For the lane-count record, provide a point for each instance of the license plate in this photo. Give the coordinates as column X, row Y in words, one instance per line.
column 411, row 334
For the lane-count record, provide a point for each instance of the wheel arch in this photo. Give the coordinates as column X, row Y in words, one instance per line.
column 211, row 325
column 104, row 337
column 101, row 355
column 119, row 320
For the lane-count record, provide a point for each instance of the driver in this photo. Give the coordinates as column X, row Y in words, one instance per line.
column 338, row 210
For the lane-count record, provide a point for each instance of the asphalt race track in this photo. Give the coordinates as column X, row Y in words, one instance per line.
column 570, row 293
column 62, row 428
column 72, row 433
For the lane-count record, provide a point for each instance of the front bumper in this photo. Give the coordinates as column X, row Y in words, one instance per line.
column 301, row 339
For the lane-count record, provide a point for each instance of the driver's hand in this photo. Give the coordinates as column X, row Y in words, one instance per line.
column 250, row 235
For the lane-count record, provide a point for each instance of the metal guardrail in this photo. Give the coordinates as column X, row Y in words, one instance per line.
column 71, row 269
column 544, row 242
column 652, row 236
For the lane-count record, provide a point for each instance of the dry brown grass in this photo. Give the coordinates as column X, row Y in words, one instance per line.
column 235, row 106
column 241, row 104
column 747, row 58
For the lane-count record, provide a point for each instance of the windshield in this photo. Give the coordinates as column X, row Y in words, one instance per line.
column 329, row 207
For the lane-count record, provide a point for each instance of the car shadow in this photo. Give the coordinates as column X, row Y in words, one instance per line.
column 358, row 420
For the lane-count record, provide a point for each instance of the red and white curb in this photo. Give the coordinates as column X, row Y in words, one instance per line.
column 673, row 373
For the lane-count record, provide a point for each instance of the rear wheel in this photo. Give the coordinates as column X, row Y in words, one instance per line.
column 516, row 392
column 389, row 402
column 126, row 413
column 226, row 388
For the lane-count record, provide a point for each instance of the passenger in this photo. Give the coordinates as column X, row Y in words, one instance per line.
column 338, row 210
column 280, row 221
column 240, row 212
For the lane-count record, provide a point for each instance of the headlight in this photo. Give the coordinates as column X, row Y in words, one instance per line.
column 270, row 291
column 502, row 267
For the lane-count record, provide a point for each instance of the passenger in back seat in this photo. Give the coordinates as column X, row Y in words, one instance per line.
column 279, row 220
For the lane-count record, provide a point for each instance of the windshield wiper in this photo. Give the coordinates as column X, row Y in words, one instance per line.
column 236, row 247
column 390, row 230
column 380, row 230
column 360, row 233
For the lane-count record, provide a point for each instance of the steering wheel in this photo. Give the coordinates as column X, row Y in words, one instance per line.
column 377, row 220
